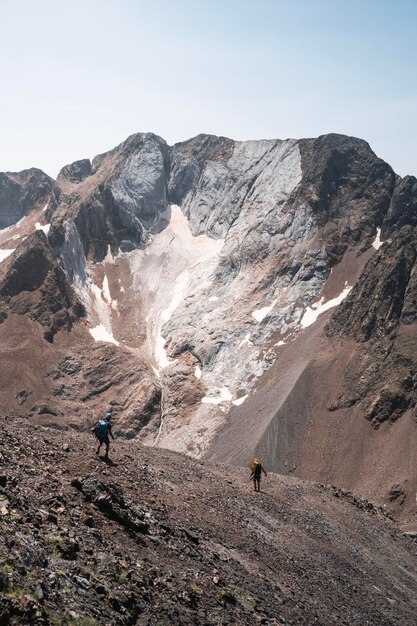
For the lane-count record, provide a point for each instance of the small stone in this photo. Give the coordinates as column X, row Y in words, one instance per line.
column 4, row 507
column 83, row 582
column 74, row 614
column 411, row 534
column 39, row 592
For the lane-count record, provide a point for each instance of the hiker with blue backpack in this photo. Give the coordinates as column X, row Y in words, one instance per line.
column 102, row 431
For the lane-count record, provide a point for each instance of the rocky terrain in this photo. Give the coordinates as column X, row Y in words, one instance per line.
column 225, row 298
column 154, row 537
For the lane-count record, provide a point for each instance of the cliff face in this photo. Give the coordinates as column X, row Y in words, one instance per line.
column 20, row 192
column 207, row 272
column 114, row 201
column 34, row 284
column 380, row 314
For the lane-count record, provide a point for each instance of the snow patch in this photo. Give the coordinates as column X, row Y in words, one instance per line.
column 217, row 396
column 96, row 290
column 100, row 333
column 109, row 258
column 213, row 298
column 239, row 401
column 5, row 253
column 178, row 294
column 197, row 372
column 377, row 243
column 160, row 352
column 106, row 290
column 97, row 303
column 245, row 341
column 44, row 227
column 105, row 293
column 260, row 314
column 174, row 264
column 312, row 312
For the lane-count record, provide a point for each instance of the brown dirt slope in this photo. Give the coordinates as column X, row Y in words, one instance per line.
column 157, row 538
column 339, row 403
column 302, row 421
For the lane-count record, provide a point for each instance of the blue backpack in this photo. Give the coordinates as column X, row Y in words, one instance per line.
column 102, row 429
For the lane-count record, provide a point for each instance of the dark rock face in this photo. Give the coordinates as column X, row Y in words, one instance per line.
column 75, row 172
column 21, row 192
column 403, row 206
column 376, row 304
column 348, row 188
column 380, row 311
column 35, row 285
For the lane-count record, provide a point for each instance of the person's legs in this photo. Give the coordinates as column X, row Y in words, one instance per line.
column 107, row 442
column 99, row 446
column 258, row 482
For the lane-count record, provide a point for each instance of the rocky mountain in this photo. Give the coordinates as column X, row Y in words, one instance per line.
column 225, row 298
column 154, row 537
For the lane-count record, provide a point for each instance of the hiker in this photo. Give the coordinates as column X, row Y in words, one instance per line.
column 256, row 473
column 102, row 430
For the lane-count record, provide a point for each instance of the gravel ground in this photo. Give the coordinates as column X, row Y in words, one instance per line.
column 155, row 538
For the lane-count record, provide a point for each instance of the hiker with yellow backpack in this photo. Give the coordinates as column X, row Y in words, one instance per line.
column 256, row 473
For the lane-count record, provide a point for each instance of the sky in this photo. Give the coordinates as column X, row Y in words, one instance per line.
column 79, row 77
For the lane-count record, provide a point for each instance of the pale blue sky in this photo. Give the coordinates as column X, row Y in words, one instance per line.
column 78, row 77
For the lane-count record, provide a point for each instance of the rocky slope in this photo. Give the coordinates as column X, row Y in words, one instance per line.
column 34, row 284
column 156, row 537
column 202, row 269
